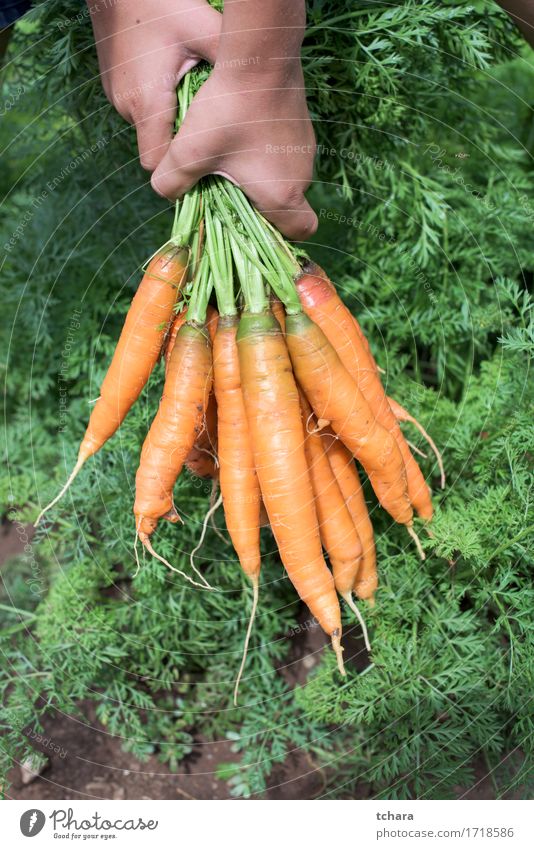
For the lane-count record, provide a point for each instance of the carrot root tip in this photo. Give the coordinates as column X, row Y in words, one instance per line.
column 255, row 597
column 173, row 516
column 353, row 606
column 136, row 553
column 417, row 542
column 413, row 447
column 79, row 463
column 338, row 650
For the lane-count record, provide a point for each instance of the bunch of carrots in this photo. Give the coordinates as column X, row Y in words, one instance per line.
column 272, row 391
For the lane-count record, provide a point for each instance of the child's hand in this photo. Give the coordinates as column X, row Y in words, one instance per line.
column 251, row 124
column 144, row 49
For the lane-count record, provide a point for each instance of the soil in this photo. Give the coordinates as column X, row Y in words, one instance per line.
column 86, row 762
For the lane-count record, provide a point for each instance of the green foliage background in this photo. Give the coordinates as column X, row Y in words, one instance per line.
column 426, row 133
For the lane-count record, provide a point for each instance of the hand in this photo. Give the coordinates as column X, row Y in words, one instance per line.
column 252, row 126
column 144, row 49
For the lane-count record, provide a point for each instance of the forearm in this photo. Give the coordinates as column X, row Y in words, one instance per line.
column 522, row 12
column 262, row 35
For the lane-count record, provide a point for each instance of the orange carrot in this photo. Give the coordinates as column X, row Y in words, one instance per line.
column 202, row 459
column 173, row 431
column 239, row 482
column 312, row 269
column 212, row 318
column 138, row 348
column 178, row 321
column 273, row 415
column 136, row 354
column 335, row 397
column 337, row 530
column 346, row 474
column 323, row 305
column 238, row 479
column 211, row 322
column 279, row 312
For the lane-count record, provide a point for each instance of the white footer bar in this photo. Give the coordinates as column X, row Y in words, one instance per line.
column 269, row 825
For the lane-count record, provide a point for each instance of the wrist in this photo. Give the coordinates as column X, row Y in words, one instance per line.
column 262, row 38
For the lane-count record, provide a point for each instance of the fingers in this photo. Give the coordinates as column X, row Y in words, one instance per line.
column 181, row 167
column 154, row 124
column 284, row 205
column 208, row 23
column 297, row 222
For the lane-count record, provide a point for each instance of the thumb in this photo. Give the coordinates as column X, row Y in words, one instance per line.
column 154, row 126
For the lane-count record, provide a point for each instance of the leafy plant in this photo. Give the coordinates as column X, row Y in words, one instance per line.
column 424, row 133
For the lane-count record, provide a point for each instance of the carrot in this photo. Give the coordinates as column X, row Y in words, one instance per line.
column 212, row 318
column 202, row 460
column 279, row 312
column 403, row 415
column 335, row 396
column 337, row 531
column 240, row 488
column 239, row 483
column 346, row 474
column 178, row 321
column 173, row 431
column 311, row 269
column 238, row 479
column 324, row 306
column 136, row 354
column 273, row 415
column 211, row 322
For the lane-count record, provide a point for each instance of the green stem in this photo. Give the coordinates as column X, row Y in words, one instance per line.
column 184, row 99
column 195, row 239
column 250, row 279
column 284, row 251
column 18, row 610
column 517, row 538
column 220, row 258
column 186, row 218
column 281, row 265
column 267, row 235
column 233, row 225
column 202, row 286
